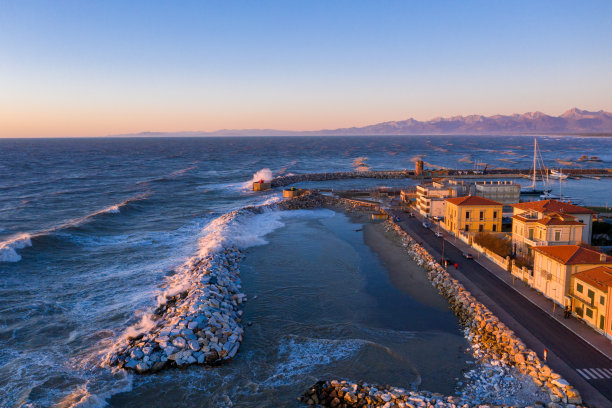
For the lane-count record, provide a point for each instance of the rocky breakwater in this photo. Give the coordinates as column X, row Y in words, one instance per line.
column 344, row 394
column 196, row 326
column 283, row 181
column 199, row 321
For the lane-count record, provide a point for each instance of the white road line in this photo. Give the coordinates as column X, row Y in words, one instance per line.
column 602, row 372
column 594, row 373
column 583, row 373
column 607, row 370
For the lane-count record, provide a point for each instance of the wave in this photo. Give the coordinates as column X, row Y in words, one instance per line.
column 218, row 255
column 22, row 240
column 299, row 356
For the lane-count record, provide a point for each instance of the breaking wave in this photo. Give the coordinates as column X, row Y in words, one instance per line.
column 9, row 247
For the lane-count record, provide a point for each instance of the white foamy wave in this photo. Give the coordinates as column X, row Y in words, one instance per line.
column 8, row 247
column 263, row 174
column 242, row 229
column 299, row 356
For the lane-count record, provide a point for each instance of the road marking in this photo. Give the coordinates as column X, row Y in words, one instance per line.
column 595, row 373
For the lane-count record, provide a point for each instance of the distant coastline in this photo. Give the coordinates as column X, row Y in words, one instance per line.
column 574, row 122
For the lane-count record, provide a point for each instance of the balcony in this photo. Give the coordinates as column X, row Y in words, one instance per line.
column 584, row 299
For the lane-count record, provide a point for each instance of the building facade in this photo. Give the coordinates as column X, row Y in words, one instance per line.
column 505, row 192
column 563, row 224
column 592, row 297
column 472, row 214
column 430, row 198
column 554, row 265
column 530, row 229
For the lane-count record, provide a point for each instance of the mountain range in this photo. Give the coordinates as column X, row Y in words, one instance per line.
column 574, row 121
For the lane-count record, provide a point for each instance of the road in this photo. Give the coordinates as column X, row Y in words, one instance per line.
column 570, row 348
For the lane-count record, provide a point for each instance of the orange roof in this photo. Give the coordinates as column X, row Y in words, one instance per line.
column 574, row 254
column 547, row 206
column 472, row 200
column 558, row 219
column 600, row 277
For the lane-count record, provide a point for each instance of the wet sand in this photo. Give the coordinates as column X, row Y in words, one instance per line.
column 404, row 273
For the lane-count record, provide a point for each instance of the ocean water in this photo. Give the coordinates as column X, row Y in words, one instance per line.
column 91, row 230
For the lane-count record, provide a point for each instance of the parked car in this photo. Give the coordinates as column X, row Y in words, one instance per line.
column 439, row 234
column 437, row 218
column 426, row 224
column 467, row 255
column 411, row 214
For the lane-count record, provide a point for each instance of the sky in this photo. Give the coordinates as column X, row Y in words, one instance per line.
column 95, row 68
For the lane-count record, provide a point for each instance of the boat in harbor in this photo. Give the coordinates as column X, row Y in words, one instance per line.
column 537, row 159
column 558, row 174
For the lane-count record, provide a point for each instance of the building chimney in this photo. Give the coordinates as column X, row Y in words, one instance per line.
column 603, row 257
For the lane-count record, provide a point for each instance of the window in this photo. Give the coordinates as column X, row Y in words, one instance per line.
column 531, row 233
column 602, row 319
column 494, row 227
column 591, row 294
column 602, row 300
column 589, row 312
column 480, row 228
column 481, row 215
column 467, row 228
column 467, row 215
column 494, row 215
column 579, row 288
column 557, row 235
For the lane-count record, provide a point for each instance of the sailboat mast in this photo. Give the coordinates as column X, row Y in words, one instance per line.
column 535, row 143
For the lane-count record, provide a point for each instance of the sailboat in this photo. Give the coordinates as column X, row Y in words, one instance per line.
column 558, row 174
column 531, row 189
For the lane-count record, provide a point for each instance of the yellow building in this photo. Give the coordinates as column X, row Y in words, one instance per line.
column 472, row 214
column 553, row 267
column 591, row 294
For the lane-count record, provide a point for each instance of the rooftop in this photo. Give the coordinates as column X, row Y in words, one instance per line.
column 599, row 277
column 472, row 200
column 574, row 254
column 548, row 206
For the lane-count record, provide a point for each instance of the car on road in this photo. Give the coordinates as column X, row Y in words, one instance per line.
column 437, row 218
column 467, row 255
column 426, row 224
column 439, row 234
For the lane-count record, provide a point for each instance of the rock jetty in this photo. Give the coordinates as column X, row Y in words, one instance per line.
column 200, row 324
column 197, row 326
column 283, row 181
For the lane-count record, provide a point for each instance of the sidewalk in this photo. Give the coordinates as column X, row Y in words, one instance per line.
column 578, row 327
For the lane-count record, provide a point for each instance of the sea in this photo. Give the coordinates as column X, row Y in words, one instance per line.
column 92, row 229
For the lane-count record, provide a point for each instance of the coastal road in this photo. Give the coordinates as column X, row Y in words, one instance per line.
column 571, row 349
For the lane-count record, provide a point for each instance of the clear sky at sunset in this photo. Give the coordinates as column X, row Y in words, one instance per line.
column 87, row 68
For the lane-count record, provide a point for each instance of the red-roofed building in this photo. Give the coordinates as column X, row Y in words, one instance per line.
column 472, row 214
column 591, row 294
column 554, row 265
column 549, row 222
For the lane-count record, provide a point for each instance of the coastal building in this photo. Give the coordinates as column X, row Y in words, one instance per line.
column 472, row 214
column 554, row 265
column 430, row 197
column 505, row 192
column 591, row 293
column 261, row 185
column 549, row 222
column 418, row 167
